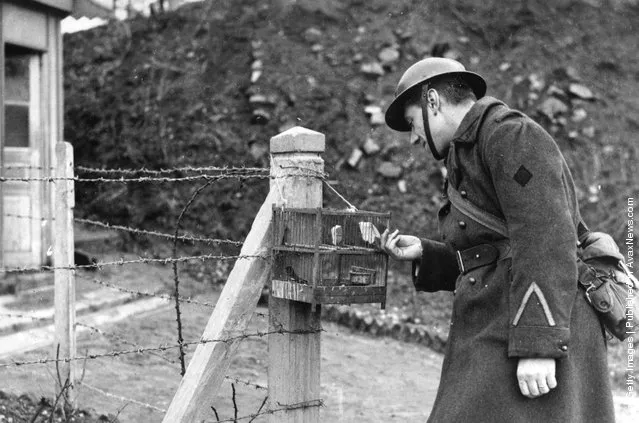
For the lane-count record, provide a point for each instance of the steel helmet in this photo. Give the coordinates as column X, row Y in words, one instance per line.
column 421, row 72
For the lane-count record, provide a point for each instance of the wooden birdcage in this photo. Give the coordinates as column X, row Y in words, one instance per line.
column 323, row 256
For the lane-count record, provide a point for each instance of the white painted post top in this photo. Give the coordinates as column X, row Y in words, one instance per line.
column 298, row 140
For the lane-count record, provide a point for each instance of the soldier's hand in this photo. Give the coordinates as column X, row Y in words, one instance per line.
column 401, row 247
column 536, row 376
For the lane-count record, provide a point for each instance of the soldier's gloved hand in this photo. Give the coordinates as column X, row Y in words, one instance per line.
column 536, row 376
column 401, row 247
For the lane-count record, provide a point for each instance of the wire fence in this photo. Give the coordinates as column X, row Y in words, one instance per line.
column 205, row 175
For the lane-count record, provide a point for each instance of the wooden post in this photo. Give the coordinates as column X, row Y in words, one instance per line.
column 64, row 275
column 231, row 316
column 294, row 359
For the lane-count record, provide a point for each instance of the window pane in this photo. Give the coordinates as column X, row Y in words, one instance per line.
column 16, row 71
column 16, row 120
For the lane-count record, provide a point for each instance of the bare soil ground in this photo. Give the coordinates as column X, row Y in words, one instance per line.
column 364, row 378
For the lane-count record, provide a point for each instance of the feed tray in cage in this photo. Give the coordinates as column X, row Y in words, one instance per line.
column 323, row 256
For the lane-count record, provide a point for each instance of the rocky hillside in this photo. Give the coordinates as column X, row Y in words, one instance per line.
column 210, row 83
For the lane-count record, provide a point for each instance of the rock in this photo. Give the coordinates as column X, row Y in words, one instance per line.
column 388, row 56
column 257, row 150
column 589, row 131
column 358, row 57
column 439, row 49
column 375, row 114
column 573, row 135
column 257, row 65
column 453, row 54
column 537, row 82
column 552, row 107
column 389, row 170
column 579, row 115
column 581, row 91
column 313, row 35
column 463, row 39
column 256, row 44
column 260, row 116
column 554, row 90
column 571, row 73
column 355, row 157
column 262, row 100
column 401, row 186
column 402, row 34
column 504, row 67
column 317, row 48
column 369, row 99
column 371, row 147
column 373, row 69
column 474, row 60
column 255, row 76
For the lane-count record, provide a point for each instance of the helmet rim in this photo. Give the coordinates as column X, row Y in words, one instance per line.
column 395, row 113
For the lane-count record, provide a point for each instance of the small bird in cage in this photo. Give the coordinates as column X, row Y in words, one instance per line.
column 369, row 233
column 291, row 275
column 337, row 235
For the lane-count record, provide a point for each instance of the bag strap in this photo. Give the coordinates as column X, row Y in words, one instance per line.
column 491, row 221
column 479, row 215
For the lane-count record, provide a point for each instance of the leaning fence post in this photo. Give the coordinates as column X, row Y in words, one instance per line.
column 64, row 274
column 294, row 358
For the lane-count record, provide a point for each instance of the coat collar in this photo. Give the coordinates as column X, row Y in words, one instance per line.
column 470, row 124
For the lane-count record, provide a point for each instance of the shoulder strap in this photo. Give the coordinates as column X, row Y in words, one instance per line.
column 489, row 220
column 479, row 215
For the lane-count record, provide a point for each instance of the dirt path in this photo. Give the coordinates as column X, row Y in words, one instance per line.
column 363, row 379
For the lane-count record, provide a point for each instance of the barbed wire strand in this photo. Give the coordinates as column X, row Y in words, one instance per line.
column 170, row 170
column 291, row 407
column 164, row 347
column 167, row 297
column 120, row 398
column 133, row 344
column 283, row 407
column 121, row 339
column 185, row 238
column 25, row 316
column 306, row 174
column 123, row 262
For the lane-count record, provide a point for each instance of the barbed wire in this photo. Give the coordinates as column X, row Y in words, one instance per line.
column 122, row 180
column 123, row 262
column 246, row 383
column 185, row 238
column 120, row 398
column 284, row 407
column 20, row 216
column 171, row 170
column 164, row 347
column 121, row 339
column 133, row 344
column 167, row 297
column 26, row 316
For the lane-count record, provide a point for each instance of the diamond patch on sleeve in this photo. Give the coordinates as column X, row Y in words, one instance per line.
column 522, row 176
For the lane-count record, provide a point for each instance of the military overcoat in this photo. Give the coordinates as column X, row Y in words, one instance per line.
column 525, row 304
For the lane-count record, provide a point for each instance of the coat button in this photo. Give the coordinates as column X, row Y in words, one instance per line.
column 463, row 193
column 462, row 224
column 472, row 280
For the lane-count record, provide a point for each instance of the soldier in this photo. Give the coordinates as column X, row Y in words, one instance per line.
column 524, row 345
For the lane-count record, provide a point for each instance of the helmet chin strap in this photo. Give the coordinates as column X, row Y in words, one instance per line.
column 423, row 98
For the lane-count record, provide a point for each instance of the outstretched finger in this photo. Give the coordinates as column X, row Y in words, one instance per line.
column 393, row 239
